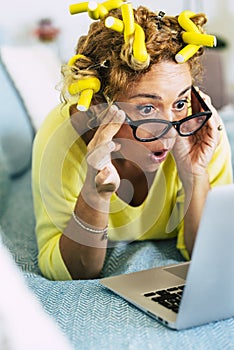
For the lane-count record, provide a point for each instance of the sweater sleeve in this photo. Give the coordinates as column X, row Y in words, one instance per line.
column 57, row 177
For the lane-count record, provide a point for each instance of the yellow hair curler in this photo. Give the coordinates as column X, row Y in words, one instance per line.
column 186, row 23
column 102, row 11
column 199, row 39
column 72, row 60
column 139, row 49
column 128, row 19
column 192, row 36
column 86, row 88
column 83, row 84
column 78, row 8
column 95, row 10
column 112, row 4
column 187, row 52
column 115, row 24
column 129, row 27
column 85, row 99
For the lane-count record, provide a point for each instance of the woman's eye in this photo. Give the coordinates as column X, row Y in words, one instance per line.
column 180, row 105
column 146, row 110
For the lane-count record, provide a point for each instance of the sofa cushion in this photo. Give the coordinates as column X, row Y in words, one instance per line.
column 35, row 73
column 16, row 133
column 27, row 94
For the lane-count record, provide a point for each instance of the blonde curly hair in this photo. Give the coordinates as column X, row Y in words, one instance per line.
column 110, row 59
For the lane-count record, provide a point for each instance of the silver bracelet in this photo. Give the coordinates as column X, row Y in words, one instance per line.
column 89, row 229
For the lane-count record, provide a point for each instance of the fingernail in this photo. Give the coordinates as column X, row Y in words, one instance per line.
column 121, row 115
column 111, row 146
column 114, row 108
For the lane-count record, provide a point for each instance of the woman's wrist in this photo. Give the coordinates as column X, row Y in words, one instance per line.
column 85, row 234
column 94, row 201
column 92, row 210
column 90, row 228
column 192, row 181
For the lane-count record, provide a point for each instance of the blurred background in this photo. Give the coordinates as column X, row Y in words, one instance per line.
column 20, row 19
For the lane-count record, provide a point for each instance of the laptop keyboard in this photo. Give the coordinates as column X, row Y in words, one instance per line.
column 170, row 297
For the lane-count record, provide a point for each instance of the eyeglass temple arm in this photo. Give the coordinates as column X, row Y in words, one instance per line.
column 200, row 99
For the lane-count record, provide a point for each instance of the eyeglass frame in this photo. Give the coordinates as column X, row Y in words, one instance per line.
column 176, row 124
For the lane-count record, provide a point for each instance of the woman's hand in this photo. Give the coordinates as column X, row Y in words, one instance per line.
column 84, row 252
column 102, row 177
column 193, row 154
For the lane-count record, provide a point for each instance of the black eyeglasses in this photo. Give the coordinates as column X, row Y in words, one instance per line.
column 148, row 130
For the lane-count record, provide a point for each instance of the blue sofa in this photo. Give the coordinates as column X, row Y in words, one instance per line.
column 90, row 316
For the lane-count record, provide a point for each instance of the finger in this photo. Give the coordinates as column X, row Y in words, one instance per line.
column 109, row 126
column 205, row 97
column 110, row 115
column 100, row 156
column 215, row 121
column 107, row 180
column 196, row 104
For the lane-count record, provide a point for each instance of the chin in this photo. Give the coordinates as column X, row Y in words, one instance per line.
column 150, row 168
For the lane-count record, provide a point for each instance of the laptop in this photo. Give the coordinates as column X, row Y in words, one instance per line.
column 191, row 293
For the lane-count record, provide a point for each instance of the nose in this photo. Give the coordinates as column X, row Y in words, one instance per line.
column 168, row 115
column 171, row 134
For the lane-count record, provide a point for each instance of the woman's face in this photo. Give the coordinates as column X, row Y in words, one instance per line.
column 163, row 93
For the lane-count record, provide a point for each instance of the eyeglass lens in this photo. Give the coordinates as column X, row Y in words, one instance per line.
column 157, row 129
column 192, row 125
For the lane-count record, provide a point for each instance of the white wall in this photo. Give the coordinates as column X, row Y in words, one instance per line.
column 19, row 18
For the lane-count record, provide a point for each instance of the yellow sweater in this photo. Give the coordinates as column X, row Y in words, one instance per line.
column 58, row 174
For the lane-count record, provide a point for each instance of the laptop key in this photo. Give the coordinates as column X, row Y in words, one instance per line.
column 175, row 309
column 157, row 299
column 162, row 292
column 181, row 287
column 149, row 294
column 166, row 304
column 172, row 289
column 169, row 298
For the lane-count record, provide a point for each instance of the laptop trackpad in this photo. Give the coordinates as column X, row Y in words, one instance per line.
column 179, row 270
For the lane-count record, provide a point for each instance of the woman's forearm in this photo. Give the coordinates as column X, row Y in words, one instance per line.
column 83, row 243
column 195, row 197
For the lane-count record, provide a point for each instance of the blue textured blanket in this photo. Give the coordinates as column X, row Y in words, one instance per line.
column 91, row 316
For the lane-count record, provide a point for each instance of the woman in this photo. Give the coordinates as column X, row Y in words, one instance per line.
column 132, row 167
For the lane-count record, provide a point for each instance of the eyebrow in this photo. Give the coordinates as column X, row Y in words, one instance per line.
column 157, row 97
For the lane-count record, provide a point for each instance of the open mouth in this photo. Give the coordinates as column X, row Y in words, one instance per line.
column 159, row 156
